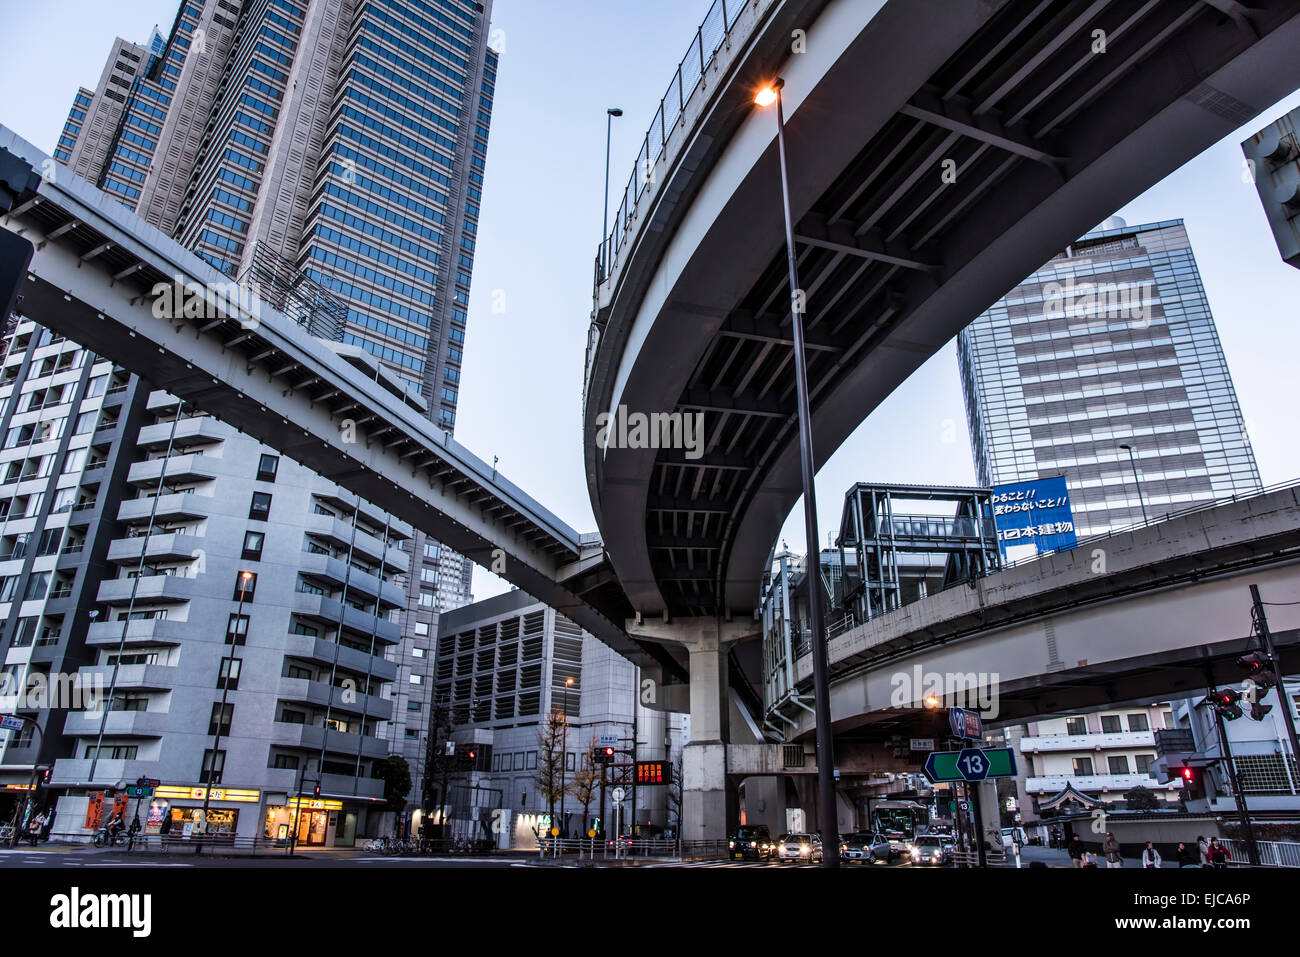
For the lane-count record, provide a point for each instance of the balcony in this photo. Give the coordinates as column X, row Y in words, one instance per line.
column 177, row 506
column 317, row 649
column 345, row 502
column 174, row 546
column 180, row 468
column 76, row 771
column 339, row 533
column 338, row 699
column 120, row 724
column 1088, row 742
column 130, row 677
column 200, row 430
column 152, row 588
column 306, row 737
column 1051, row 784
column 148, row 631
column 358, row 583
column 339, row 785
column 328, row 611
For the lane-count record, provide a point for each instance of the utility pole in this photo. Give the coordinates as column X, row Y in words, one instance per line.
column 1266, row 639
column 1242, row 811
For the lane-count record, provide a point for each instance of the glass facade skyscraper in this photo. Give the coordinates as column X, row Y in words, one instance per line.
column 1110, row 344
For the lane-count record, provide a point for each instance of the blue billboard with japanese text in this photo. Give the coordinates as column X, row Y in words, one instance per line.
column 1034, row 513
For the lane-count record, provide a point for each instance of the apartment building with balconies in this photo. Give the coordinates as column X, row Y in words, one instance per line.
column 245, row 630
column 1102, row 754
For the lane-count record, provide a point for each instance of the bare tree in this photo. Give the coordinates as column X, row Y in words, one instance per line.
column 550, row 762
column 586, row 785
column 675, row 796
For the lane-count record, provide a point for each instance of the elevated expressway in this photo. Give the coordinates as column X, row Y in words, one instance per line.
column 1154, row 613
column 87, row 268
column 938, row 153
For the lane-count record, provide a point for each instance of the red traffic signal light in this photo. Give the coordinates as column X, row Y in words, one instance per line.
column 471, row 755
column 1225, row 703
column 316, row 791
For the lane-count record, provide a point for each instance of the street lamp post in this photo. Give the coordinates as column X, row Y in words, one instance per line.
column 604, row 229
column 1133, row 463
column 244, row 578
column 564, row 760
column 821, row 667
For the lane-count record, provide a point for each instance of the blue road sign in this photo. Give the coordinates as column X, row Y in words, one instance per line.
column 972, row 763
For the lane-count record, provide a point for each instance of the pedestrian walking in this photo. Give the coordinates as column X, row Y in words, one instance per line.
column 1218, row 854
column 131, row 832
column 1150, row 856
column 49, row 824
column 1203, row 850
column 1110, row 848
column 1076, row 851
column 165, row 829
column 1187, row 856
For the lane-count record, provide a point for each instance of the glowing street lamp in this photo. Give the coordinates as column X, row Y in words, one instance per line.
column 827, row 809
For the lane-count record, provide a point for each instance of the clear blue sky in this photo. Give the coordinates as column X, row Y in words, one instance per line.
column 563, row 63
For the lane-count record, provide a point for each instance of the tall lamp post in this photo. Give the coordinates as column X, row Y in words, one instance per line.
column 244, row 578
column 604, row 229
column 1136, row 481
column 564, row 759
column 821, row 667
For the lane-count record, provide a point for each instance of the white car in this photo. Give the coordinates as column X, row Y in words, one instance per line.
column 799, row 847
column 930, row 849
column 863, row 847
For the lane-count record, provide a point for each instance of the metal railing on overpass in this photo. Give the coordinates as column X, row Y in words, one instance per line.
column 709, row 37
column 1271, row 853
column 847, row 623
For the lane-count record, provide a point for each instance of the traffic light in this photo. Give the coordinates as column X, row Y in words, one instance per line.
column 1193, row 782
column 316, row 790
column 602, row 755
column 1262, row 679
column 1224, row 701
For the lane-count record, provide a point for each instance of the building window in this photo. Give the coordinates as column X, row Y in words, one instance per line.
column 1144, row 762
column 417, row 679
column 1110, row 724
column 413, row 706
column 213, row 763
column 422, row 629
column 253, row 545
column 219, row 723
column 1076, row 726
column 1083, row 767
column 267, row 466
column 237, row 630
column 417, row 652
column 285, row 762
column 260, row 508
column 1118, row 764
column 228, row 676
column 1137, row 722
column 289, row 716
column 299, row 672
column 245, row 585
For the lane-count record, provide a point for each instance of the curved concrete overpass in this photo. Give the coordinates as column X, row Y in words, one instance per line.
column 1042, row 136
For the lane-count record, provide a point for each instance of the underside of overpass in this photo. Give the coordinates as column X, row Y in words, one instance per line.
column 993, row 134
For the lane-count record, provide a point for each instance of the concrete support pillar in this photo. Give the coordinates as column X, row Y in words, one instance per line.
column 986, row 792
column 765, row 802
column 709, row 806
column 705, row 812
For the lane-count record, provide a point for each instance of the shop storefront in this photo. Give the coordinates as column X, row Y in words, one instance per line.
column 184, row 805
column 317, row 822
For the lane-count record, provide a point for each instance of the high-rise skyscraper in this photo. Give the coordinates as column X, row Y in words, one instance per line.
column 1110, row 344
column 333, row 154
